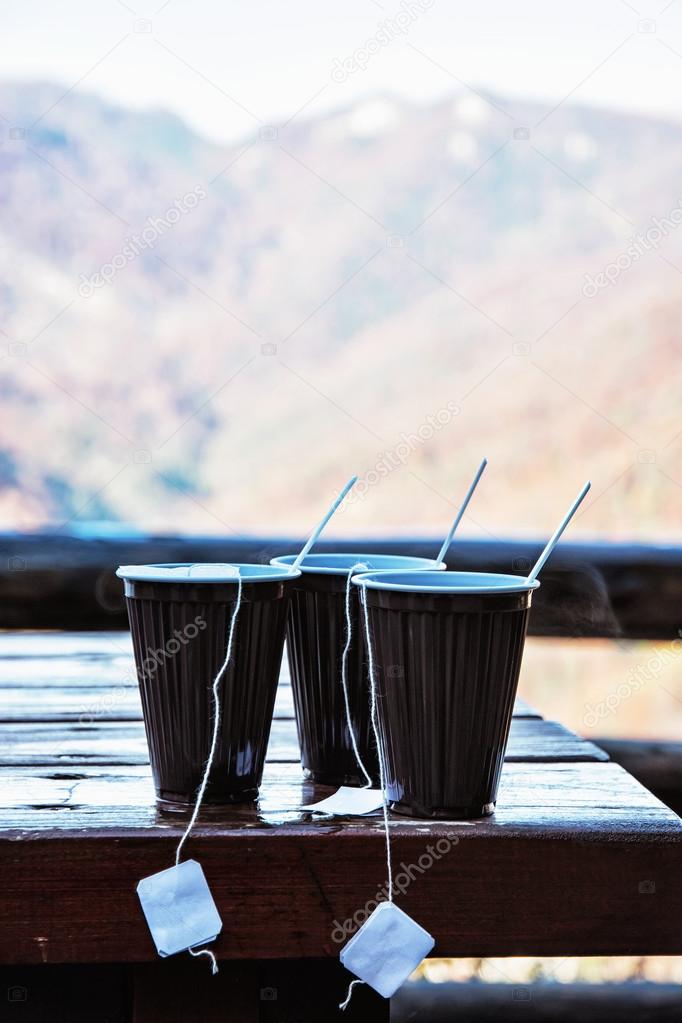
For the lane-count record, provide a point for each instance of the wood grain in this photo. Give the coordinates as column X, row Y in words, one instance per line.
column 116, row 703
column 88, row 703
column 103, row 741
column 578, row 858
column 569, row 799
column 62, row 676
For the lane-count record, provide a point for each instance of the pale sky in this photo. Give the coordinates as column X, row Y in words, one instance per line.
column 228, row 66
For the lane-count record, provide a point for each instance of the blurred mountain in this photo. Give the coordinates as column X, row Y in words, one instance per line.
column 390, row 289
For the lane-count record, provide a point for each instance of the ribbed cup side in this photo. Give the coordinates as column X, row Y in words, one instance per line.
column 176, row 693
column 316, row 636
column 446, row 684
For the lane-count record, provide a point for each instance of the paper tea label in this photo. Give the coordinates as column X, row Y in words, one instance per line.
column 386, row 949
column 347, row 802
column 179, row 908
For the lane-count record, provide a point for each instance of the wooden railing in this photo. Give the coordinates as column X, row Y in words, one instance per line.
column 67, row 581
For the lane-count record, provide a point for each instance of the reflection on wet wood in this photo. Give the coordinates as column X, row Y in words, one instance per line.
column 595, row 798
column 103, row 741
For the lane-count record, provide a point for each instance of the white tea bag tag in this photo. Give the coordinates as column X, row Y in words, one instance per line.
column 386, row 949
column 347, row 801
column 209, row 570
column 179, row 908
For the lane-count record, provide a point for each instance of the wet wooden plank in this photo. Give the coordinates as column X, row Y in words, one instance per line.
column 45, row 643
column 119, row 742
column 573, row 837
column 105, row 742
column 86, row 704
column 581, row 845
column 80, row 648
column 103, row 669
column 82, row 704
column 561, row 799
column 91, row 677
column 114, row 702
column 67, row 672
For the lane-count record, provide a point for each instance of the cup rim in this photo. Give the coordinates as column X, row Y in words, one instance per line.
column 471, row 583
column 312, row 563
column 248, row 573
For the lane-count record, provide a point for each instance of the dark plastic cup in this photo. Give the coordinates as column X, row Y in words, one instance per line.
column 447, row 652
column 180, row 625
column 316, row 636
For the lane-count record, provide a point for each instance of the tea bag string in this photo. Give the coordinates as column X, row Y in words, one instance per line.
column 206, row 952
column 349, row 994
column 215, row 689
column 377, row 739
column 360, row 566
column 216, row 723
column 382, row 769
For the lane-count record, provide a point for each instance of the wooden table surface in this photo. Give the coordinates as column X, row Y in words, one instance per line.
column 578, row 859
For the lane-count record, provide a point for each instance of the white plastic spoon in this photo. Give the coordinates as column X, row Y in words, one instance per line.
column 554, row 538
column 317, row 531
column 458, row 518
